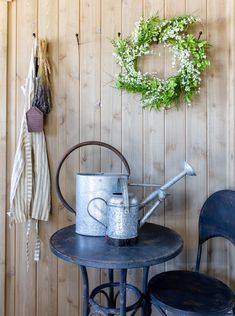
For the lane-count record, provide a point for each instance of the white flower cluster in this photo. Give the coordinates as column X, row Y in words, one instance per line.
column 137, row 31
column 187, row 70
column 174, row 27
column 155, row 90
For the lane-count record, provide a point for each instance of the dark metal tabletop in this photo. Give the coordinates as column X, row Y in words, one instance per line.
column 156, row 244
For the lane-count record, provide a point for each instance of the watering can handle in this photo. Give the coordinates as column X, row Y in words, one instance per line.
column 89, row 212
column 88, row 143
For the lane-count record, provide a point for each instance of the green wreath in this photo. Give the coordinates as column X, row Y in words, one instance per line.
column 190, row 52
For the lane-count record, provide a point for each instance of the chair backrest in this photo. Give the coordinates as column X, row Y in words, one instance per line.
column 217, row 219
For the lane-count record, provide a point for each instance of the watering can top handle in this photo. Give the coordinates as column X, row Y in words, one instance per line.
column 83, row 144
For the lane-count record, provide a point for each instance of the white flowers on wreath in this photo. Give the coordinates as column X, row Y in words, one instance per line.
column 187, row 50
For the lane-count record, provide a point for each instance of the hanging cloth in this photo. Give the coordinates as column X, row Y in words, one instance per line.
column 30, row 197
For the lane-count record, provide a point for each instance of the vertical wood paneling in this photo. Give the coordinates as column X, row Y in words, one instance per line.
column 3, row 148
column 90, row 30
column 217, row 97
column 196, row 147
column 154, row 122
column 25, row 290
column 87, row 108
column 111, row 115
column 175, row 152
column 47, row 267
column 231, row 166
column 11, row 146
column 68, row 109
column 154, row 128
column 90, row 78
column 111, row 111
column 132, row 114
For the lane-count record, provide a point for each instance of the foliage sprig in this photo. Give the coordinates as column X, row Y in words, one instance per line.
column 187, row 50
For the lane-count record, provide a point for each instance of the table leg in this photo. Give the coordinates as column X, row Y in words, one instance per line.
column 123, row 292
column 146, row 309
column 85, row 292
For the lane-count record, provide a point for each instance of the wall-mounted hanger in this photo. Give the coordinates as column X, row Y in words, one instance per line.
column 77, row 36
column 200, row 34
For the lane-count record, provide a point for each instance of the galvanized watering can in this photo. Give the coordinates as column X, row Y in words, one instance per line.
column 93, row 185
column 123, row 217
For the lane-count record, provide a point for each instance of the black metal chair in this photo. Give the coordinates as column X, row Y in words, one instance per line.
column 194, row 293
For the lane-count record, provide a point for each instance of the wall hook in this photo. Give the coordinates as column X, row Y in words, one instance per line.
column 200, row 34
column 77, row 36
column 34, row 34
column 119, row 34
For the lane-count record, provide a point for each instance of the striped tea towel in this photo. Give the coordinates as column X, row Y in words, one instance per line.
column 30, row 182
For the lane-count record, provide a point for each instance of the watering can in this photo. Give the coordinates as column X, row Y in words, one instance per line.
column 90, row 186
column 122, row 219
column 91, row 218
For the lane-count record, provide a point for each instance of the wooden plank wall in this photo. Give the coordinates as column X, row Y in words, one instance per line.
column 3, row 148
column 87, row 107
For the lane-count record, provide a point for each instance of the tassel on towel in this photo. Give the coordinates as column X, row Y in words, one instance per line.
column 37, row 249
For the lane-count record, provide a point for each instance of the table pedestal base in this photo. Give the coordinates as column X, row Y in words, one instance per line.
column 111, row 301
column 141, row 300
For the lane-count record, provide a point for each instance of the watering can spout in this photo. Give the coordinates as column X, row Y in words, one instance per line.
column 161, row 194
column 123, row 218
column 188, row 171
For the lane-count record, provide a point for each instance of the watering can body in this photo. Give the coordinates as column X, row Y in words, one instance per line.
column 122, row 220
column 122, row 217
column 99, row 186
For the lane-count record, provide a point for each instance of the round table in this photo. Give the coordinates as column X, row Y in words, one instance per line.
column 156, row 244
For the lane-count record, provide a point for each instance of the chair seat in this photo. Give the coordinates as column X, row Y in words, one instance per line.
column 191, row 292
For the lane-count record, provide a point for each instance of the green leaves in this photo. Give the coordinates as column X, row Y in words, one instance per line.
column 190, row 52
column 145, row 31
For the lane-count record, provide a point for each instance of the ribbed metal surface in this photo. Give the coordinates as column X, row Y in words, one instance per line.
column 89, row 187
column 122, row 221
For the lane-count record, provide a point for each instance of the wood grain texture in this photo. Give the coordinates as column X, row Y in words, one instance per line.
column 132, row 117
column 231, row 154
column 87, row 107
column 154, row 123
column 11, row 147
column 175, row 149
column 47, row 294
column 154, row 129
column 218, row 119
column 111, row 114
column 196, row 147
column 3, row 149
column 68, row 130
column 26, row 282
column 111, row 110
column 90, row 110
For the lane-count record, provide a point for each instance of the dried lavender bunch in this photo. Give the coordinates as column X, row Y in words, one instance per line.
column 42, row 96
